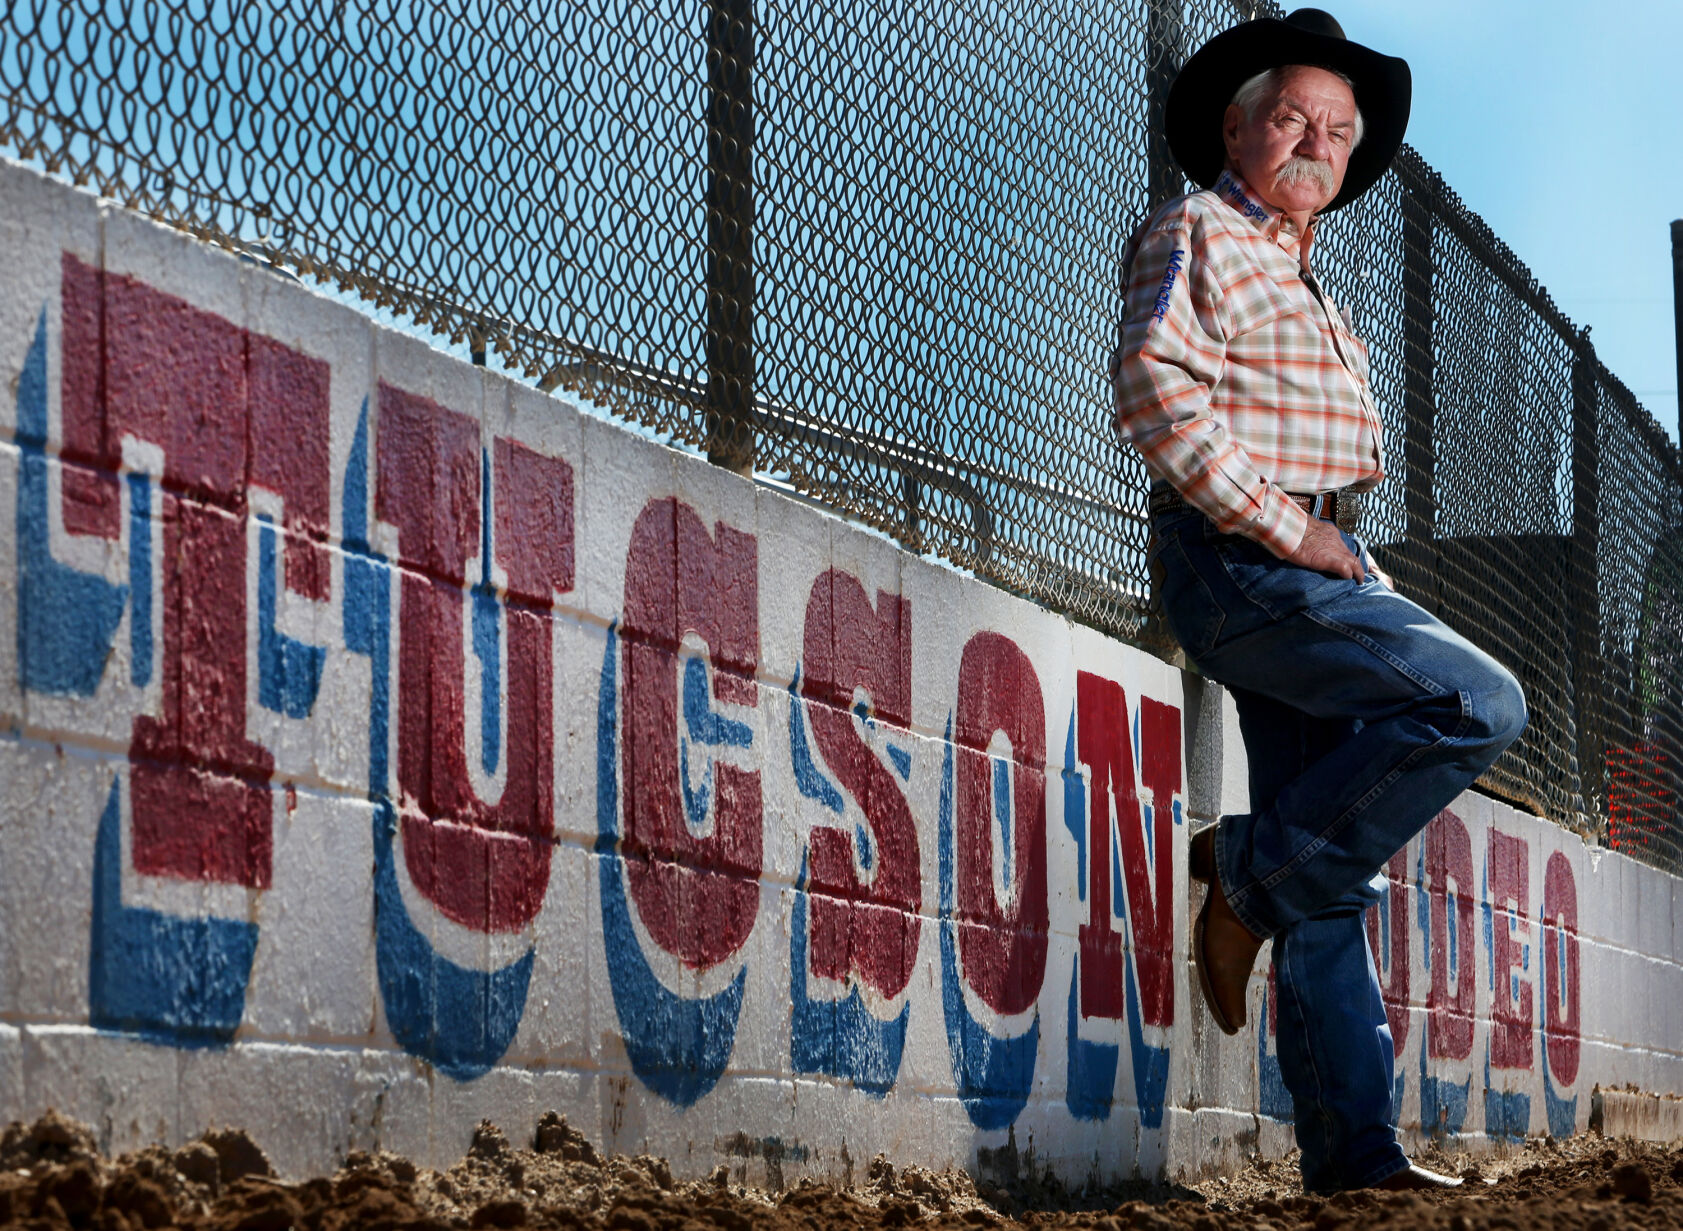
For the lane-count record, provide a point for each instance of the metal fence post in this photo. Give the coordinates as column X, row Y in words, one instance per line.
column 1419, row 318
column 1677, row 302
column 1164, row 52
column 1165, row 39
column 730, row 234
column 1591, row 703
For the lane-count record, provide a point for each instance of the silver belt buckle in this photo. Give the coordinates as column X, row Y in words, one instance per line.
column 1347, row 511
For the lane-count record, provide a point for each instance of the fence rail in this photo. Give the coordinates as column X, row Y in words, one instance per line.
column 871, row 250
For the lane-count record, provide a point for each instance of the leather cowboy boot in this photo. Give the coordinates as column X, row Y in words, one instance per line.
column 1200, row 855
column 1224, row 951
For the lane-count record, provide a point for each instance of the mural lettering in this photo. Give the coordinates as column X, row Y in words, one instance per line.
column 1448, row 885
column 196, row 457
column 1508, row 930
column 1128, row 881
column 475, row 817
column 1559, row 990
column 1445, row 875
column 856, row 925
column 197, row 415
column 994, row 905
column 684, row 850
column 1388, row 936
column 1507, row 1112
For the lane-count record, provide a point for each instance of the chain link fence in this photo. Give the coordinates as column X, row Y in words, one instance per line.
column 870, row 250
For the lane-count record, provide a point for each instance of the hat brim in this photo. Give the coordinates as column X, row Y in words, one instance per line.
column 1198, row 99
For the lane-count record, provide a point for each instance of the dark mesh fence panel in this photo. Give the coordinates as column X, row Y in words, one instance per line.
column 870, row 251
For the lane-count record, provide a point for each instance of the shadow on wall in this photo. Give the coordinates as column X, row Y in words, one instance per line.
column 1542, row 591
column 1510, row 591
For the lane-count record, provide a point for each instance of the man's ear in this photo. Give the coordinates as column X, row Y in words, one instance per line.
column 1230, row 122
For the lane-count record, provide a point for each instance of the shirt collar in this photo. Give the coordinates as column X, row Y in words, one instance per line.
column 1264, row 217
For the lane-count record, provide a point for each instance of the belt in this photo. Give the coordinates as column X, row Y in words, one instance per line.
column 1342, row 508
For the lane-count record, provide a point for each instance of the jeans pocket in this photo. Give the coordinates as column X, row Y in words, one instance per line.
column 1190, row 608
column 1252, row 570
column 1278, row 588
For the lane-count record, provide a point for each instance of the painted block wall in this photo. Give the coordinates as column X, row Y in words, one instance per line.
column 385, row 745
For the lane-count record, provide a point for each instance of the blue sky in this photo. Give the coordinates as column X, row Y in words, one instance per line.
column 1561, row 123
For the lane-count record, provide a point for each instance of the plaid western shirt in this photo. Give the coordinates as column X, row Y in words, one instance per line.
column 1234, row 377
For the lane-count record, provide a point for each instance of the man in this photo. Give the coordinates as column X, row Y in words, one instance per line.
column 1247, row 395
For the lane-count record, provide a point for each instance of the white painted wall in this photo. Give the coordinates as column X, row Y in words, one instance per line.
column 258, row 940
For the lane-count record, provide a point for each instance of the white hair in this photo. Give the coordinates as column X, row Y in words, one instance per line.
column 1251, row 91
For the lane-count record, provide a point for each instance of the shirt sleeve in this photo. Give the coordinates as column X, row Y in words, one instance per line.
column 1168, row 359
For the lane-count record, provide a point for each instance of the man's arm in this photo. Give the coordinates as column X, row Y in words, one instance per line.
column 1170, row 355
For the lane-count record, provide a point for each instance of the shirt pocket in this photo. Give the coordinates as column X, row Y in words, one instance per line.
column 1267, row 312
column 1358, row 356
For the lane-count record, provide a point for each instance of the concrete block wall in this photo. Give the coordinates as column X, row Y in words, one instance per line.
column 385, row 745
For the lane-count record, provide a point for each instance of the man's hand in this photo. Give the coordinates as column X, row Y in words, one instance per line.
column 1323, row 550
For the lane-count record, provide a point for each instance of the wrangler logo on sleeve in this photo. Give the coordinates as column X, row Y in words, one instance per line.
column 1169, row 275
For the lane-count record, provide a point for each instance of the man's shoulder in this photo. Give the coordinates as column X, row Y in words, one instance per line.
column 1195, row 213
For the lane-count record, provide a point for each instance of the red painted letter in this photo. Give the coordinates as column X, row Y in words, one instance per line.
column 1104, row 746
column 1510, row 900
column 869, row 926
column 1449, row 876
column 695, row 880
column 229, row 411
column 1560, row 964
column 484, row 865
column 1003, row 944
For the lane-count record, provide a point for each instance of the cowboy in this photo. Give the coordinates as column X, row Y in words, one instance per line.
column 1247, row 395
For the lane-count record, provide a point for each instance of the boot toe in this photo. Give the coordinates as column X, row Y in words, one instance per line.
column 1415, row 1179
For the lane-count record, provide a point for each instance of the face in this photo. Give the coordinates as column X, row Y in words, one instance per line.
column 1293, row 150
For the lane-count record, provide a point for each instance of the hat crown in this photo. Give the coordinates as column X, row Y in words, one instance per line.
column 1316, row 21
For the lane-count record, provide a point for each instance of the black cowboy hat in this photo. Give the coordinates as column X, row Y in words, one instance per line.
column 1199, row 96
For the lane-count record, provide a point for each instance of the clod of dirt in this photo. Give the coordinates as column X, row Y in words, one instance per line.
column 1632, row 1182
column 143, row 1202
column 899, row 1212
column 197, row 1163
column 237, row 1154
column 938, row 1190
column 505, row 1213
column 363, row 1169
column 555, row 1136
column 51, row 1139
column 656, row 1169
column 76, row 1188
column 489, row 1143
column 254, row 1205
column 377, row 1209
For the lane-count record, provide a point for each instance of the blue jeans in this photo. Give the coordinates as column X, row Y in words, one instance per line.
column 1363, row 716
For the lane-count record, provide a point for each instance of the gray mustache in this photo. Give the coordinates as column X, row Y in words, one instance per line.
column 1299, row 169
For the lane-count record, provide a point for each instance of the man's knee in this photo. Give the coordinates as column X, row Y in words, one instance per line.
column 1498, row 710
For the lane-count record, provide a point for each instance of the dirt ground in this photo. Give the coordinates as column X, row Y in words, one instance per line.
column 52, row 1176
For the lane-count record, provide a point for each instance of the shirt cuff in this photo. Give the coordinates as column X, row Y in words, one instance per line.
column 1282, row 525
